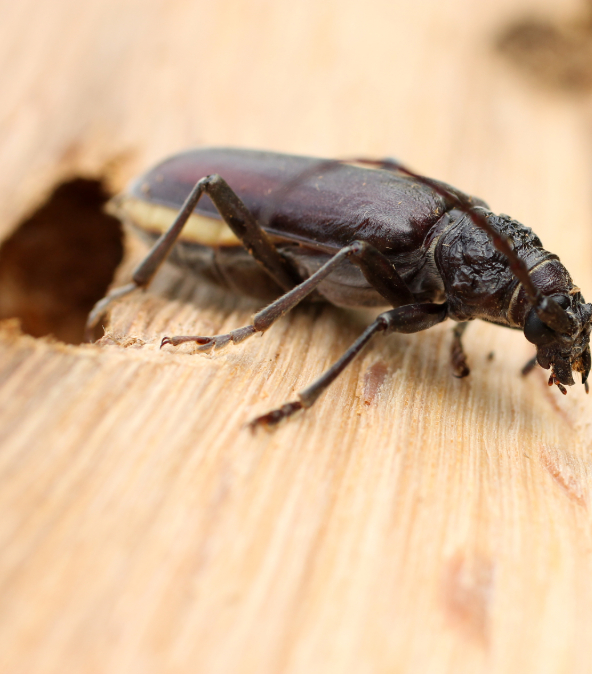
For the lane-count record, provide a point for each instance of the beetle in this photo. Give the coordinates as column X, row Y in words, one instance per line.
column 358, row 233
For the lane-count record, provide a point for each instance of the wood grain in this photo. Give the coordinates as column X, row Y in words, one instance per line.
column 409, row 522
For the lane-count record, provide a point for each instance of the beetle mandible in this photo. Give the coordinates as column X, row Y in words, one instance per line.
column 354, row 233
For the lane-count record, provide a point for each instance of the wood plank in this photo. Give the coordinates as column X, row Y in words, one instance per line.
column 410, row 521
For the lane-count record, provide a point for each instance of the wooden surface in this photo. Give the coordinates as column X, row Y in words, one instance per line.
column 410, row 522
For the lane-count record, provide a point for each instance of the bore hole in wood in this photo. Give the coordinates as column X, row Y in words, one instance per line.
column 555, row 53
column 60, row 261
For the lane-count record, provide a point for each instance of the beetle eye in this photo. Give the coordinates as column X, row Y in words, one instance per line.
column 562, row 301
column 536, row 331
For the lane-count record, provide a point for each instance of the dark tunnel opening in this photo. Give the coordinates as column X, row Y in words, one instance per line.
column 60, row 261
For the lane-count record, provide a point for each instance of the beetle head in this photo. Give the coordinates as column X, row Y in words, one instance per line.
column 562, row 351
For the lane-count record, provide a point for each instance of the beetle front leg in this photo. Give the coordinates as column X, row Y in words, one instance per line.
column 458, row 358
column 375, row 266
column 529, row 366
column 408, row 319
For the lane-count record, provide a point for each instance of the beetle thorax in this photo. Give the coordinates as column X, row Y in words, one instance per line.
column 478, row 279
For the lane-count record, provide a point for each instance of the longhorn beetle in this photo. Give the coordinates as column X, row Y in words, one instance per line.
column 353, row 233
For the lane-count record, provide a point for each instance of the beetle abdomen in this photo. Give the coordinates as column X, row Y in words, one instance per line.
column 156, row 218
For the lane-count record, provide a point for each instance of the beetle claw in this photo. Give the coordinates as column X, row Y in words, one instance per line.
column 182, row 339
column 215, row 342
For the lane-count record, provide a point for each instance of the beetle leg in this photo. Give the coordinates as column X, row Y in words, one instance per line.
column 529, row 367
column 407, row 319
column 376, row 267
column 235, row 214
column 458, row 358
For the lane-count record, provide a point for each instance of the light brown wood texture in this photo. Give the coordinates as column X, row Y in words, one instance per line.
column 410, row 521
